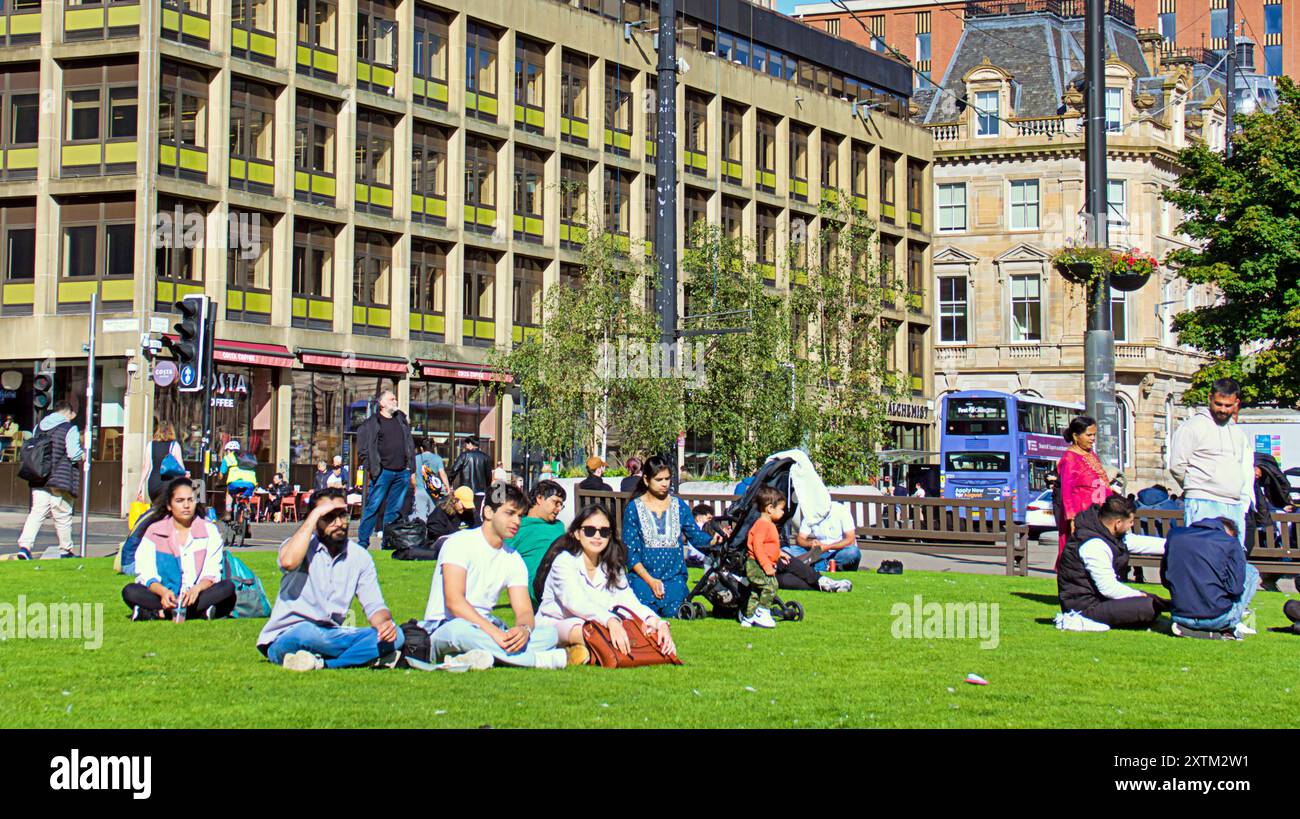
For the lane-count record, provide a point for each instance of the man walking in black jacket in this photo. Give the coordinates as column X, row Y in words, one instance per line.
column 388, row 454
column 471, row 469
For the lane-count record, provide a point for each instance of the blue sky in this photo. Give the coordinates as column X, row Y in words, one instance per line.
column 785, row 6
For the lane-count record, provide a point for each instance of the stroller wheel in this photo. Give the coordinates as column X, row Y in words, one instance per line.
column 794, row 610
column 700, row 611
column 686, row 611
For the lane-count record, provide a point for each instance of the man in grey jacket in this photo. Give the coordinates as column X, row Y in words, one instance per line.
column 1213, row 461
column 54, row 496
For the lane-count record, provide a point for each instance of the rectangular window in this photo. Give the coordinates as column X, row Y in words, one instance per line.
column 952, row 207
column 987, row 113
column 479, row 299
column 313, row 275
column 1024, row 204
column 954, row 310
column 252, row 134
column 530, row 73
column 830, row 162
column 916, row 359
column 732, row 143
column 98, row 243
column 573, row 201
column 377, row 36
column 526, row 298
column 374, row 161
column 618, row 204
column 18, row 259
column 1218, row 24
column 1272, row 19
column 1026, row 308
column 318, row 24
column 697, row 134
column 20, row 107
column 915, row 276
column 1119, row 314
column 651, row 217
column 428, row 291
column 529, row 179
column 651, row 109
column 99, row 107
column 248, row 268
column 765, row 246
column 695, row 211
column 372, row 283
column 314, row 149
column 179, row 265
column 618, row 109
column 1116, row 202
column 861, row 169
column 733, row 217
column 765, row 145
column 1114, row 110
column 798, row 162
column 481, row 46
column 574, row 74
column 1273, row 60
column 915, row 192
column 1169, row 27
column 480, row 185
column 428, row 173
column 253, row 17
column 429, row 56
column 888, row 161
column 923, row 47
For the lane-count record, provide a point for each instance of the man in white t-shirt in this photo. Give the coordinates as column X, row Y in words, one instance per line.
column 473, row 568
column 835, row 535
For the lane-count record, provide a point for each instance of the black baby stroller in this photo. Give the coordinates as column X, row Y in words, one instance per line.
column 724, row 584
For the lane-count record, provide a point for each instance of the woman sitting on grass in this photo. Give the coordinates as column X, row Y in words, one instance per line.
column 179, row 563
column 584, row 580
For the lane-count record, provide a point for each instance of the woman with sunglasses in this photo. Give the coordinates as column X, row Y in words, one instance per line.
column 584, row 580
column 654, row 525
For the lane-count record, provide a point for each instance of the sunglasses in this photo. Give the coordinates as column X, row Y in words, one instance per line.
column 593, row 531
column 333, row 516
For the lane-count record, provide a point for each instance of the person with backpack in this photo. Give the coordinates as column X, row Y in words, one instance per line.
column 240, row 472
column 429, row 482
column 49, row 464
column 163, row 462
column 179, row 563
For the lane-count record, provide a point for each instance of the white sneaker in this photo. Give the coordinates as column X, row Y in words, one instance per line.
column 765, row 618
column 747, row 622
column 1243, row 630
column 1074, row 621
column 843, row 585
column 303, row 661
column 553, row 659
column 826, row 584
column 475, row 660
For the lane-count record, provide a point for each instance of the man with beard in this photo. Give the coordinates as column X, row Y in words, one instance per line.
column 1088, row 572
column 473, row 568
column 323, row 572
column 1214, row 462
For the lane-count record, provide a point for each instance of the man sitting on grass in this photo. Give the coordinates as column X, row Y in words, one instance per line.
column 323, row 571
column 1210, row 583
column 473, row 568
column 1088, row 572
column 540, row 529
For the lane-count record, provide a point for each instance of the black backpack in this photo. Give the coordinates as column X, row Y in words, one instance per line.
column 36, row 461
column 417, row 644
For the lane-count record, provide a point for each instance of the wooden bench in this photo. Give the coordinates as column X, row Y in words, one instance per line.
column 1277, row 553
column 939, row 526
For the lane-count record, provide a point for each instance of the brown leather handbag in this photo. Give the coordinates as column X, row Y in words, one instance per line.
column 644, row 649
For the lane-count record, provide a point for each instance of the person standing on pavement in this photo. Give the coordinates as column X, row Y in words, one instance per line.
column 388, row 454
column 428, row 468
column 53, row 496
column 1213, row 461
column 471, row 469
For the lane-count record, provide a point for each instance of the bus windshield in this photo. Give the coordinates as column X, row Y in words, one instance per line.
column 977, row 462
column 977, row 416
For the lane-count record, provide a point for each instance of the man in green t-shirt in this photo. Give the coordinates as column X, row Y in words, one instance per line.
column 540, row 529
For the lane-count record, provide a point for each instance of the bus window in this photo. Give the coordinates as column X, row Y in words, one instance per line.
column 1038, row 472
column 977, row 462
column 977, row 416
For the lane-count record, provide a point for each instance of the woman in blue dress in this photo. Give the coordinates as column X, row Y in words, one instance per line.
column 653, row 525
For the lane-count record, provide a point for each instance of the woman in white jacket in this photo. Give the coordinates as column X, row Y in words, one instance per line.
column 585, row 579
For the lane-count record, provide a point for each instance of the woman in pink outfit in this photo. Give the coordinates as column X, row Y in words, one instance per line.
column 1084, row 480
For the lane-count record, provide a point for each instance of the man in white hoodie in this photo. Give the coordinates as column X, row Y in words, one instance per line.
column 1213, row 461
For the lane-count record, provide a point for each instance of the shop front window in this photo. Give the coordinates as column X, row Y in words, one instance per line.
column 326, row 410
column 445, row 413
column 243, row 408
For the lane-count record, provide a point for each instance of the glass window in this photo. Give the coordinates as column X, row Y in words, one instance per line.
column 530, row 72
column 573, row 191
column 1116, row 205
column 527, row 295
column 618, row 202
column 313, row 255
column 1024, row 204
column 252, row 117
column 1119, row 314
column 1218, row 24
column 480, row 173
column 978, row 462
column 529, row 168
column 923, row 47
column 314, row 135
column 428, row 161
column 574, row 72
column 248, row 261
column 952, row 206
column 374, row 148
column 480, row 60
column 1169, row 27
column 1026, row 308
column 318, row 23
column 618, row 98
column 480, row 292
column 428, row 286
column 976, row 416
column 987, row 113
column 953, row 310
column 1272, row 18
column 1114, row 110
column 376, row 32
column 430, row 54
column 1273, row 60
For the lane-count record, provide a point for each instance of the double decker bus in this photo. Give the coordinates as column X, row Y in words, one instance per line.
column 995, row 445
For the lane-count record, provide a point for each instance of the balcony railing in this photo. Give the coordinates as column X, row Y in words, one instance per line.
column 1061, row 8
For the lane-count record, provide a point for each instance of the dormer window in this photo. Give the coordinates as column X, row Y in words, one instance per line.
column 987, row 113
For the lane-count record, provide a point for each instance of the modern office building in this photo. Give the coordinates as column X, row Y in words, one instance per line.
column 1009, row 193
column 371, row 193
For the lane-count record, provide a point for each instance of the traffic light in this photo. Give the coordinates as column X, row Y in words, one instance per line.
column 42, row 393
column 190, row 346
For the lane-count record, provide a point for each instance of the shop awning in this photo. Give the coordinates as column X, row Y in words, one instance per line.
column 247, row 352
column 347, row 362
column 459, row 371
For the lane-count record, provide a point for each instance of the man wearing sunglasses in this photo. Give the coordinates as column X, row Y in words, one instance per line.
column 323, row 572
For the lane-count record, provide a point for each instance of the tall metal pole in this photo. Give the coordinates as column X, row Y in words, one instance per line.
column 89, row 409
column 1099, row 341
column 666, row 190
column 205, row 355
column 1232, row 73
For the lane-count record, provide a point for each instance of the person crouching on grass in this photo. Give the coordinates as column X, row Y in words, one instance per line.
column 474, row 566
column 323, row 572
column 764, row 551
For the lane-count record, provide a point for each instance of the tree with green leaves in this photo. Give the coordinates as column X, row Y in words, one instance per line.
column 1244, row 213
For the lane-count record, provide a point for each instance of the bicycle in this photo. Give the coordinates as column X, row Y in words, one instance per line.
column 242, row 514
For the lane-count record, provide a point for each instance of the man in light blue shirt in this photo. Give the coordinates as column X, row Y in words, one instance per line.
column 427, row 460
column 53, row 495
column 323, row 572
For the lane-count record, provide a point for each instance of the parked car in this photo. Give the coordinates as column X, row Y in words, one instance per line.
column 1038, row 514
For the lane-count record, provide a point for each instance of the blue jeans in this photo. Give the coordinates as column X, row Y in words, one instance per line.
column 846, row 559
column 390, row 484
column 456, row 636
column 1195, row 509
column 1233, row 616
column 339, row 647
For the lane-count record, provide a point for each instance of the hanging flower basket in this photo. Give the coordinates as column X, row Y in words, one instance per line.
column 1081, row 265
column 1130, row 271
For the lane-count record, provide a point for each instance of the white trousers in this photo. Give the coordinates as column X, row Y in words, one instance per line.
column 46, row 503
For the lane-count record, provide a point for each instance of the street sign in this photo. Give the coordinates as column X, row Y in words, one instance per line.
column 127, row 325
column 159, row 324
column 188, row 377
column 164, row 373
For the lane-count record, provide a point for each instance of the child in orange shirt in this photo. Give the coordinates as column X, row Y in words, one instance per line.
column 764, row 551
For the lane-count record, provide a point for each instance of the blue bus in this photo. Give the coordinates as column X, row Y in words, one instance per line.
column 995, row 445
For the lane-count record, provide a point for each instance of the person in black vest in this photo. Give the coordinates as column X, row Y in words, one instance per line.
column 471, row 469
column 53, row 496
column 388, row 455
column 1095, row 557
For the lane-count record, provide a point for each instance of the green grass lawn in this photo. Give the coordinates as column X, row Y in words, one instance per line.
column 842, row 666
